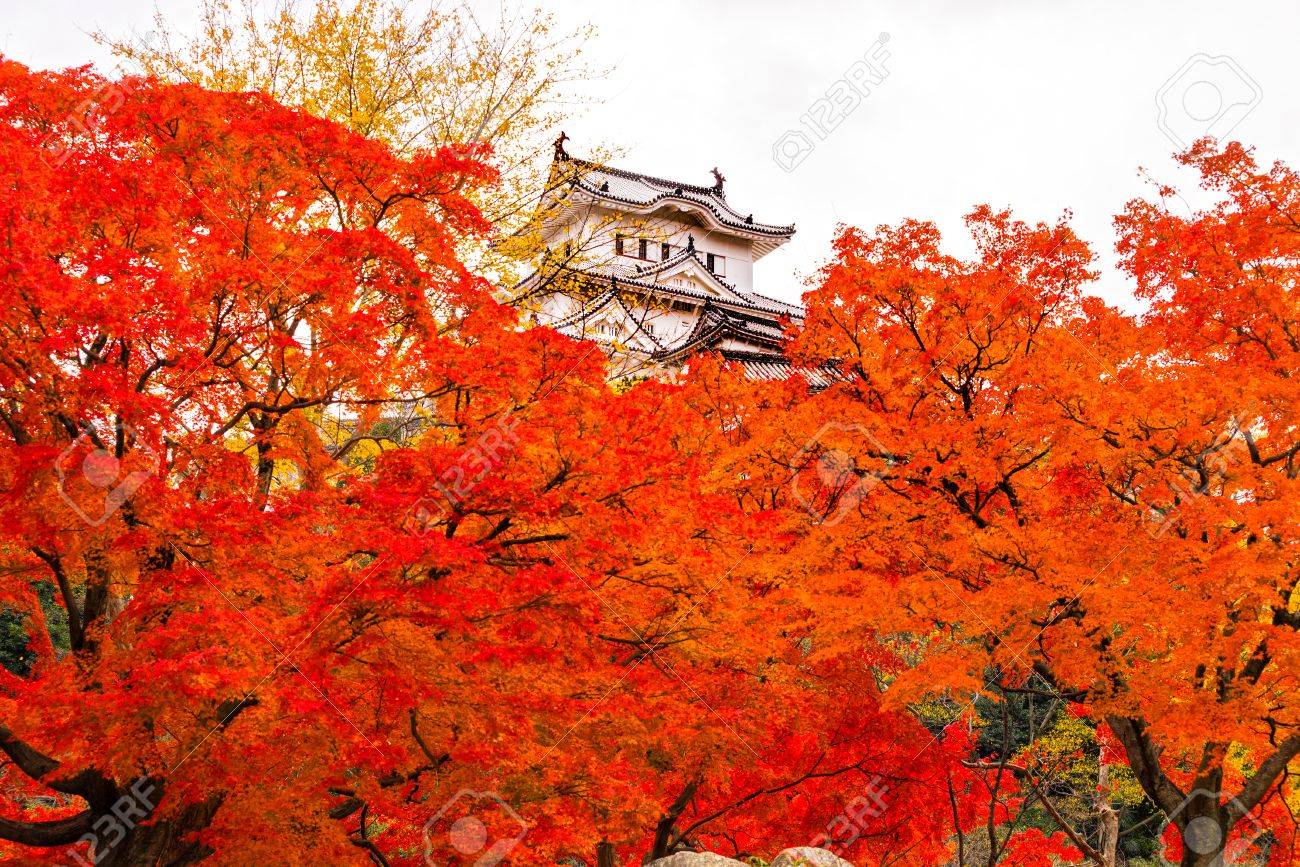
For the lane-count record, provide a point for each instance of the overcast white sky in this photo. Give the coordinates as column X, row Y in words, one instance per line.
column 1037, row 106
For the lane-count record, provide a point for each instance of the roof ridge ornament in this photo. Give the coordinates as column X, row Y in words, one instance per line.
column 561, row 155
column 718, row 180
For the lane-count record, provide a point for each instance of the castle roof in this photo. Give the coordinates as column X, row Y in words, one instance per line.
column 641, row 193
column 614, row 297
column 718, row 329
column 765, row 367
column 645, row 277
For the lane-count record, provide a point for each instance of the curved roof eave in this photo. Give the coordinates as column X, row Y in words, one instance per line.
column 655, row 191
column 735, row 223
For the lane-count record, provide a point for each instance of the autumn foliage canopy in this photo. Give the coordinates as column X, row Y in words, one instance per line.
column 312, row 548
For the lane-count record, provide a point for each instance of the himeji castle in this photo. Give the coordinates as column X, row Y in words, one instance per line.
column 656, row 271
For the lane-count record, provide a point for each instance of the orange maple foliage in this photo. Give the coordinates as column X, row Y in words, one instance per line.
column 1018, row 481
column 345, row 556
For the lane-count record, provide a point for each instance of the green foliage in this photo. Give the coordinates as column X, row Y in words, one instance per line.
column 15, row 655
column 1030, row 726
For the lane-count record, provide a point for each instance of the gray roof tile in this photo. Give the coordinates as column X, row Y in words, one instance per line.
column 641, row 190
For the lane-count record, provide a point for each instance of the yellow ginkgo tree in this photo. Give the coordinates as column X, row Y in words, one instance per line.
column 415, row 80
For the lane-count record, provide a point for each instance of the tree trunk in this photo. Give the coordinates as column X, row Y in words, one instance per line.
column 166, row 843
column 663, row 842
column 1107, row 816
column 1205, row 816
column 1203, row 827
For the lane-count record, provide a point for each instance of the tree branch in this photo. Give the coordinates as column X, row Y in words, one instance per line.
column 1262, row 780
column 57, row 832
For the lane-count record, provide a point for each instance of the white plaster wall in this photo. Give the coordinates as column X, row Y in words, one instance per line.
column 592, row 225
column 676, row 228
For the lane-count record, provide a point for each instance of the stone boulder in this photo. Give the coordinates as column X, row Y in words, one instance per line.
column 809, row 856
column 696, row 859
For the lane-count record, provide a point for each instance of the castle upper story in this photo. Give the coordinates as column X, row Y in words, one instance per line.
column 656, row 270
column 625, row 220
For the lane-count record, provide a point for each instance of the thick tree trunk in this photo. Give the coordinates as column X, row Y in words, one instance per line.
column 1203, row 826
column 1205, row 815
column 115, row 826
column 1212, row 858
column 167, row 843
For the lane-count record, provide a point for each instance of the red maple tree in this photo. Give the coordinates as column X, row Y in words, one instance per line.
column 318, row 553
column 1042, row 494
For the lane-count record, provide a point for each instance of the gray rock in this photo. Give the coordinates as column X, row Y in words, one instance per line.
column 695, row 859
column 809, row 856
